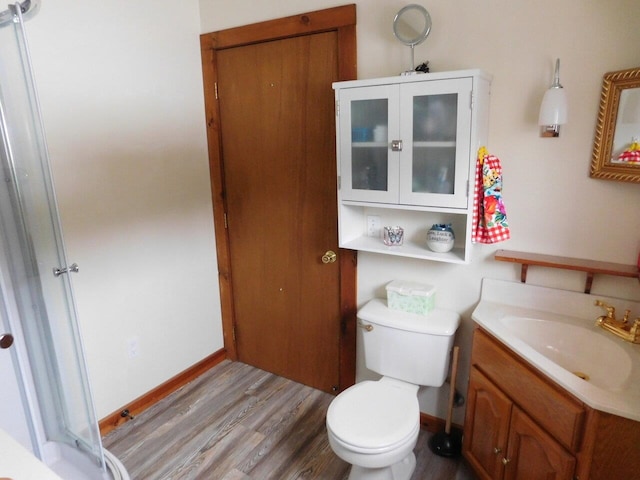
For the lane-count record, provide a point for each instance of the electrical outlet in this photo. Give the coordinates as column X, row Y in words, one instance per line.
column 133, row 347
column 373, row 226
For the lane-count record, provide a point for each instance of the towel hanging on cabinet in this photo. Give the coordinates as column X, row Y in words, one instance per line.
column 489, row 214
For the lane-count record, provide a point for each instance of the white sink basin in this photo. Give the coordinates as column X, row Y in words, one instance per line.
column 554, row 330
column 581, row 350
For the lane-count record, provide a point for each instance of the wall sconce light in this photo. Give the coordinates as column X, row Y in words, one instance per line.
column 553, row 111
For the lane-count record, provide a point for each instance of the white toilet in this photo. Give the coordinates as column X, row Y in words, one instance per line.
column 374, row 425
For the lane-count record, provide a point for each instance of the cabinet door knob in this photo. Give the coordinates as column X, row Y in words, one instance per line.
column 396, row 145
column 497, row 450
column 505, row 461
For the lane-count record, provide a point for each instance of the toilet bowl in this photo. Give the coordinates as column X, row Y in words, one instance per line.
column 374, row 425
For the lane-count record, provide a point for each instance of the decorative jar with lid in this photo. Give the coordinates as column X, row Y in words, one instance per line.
column 440, row 237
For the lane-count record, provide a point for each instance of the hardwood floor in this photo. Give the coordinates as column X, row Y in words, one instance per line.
column 237, row 422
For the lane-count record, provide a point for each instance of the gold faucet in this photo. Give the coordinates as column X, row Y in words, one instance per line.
column 622, row 328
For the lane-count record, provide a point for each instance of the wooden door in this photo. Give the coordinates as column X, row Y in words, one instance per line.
column 272, row 153
column 486, row 426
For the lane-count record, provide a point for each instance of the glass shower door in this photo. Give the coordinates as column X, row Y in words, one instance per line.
column 33, row 248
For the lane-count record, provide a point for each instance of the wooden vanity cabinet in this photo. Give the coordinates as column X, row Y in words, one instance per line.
column 520, row 425
column 504, row 443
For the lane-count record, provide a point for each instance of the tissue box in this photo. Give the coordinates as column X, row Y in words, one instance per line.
column 410, row 297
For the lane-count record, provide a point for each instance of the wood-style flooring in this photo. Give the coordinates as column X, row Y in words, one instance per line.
column 237, row 422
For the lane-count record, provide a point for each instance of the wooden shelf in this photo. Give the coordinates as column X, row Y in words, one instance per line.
column 590, row 267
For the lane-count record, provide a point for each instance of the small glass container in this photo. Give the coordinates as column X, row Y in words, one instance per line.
column 440, row 237
column 393, row 236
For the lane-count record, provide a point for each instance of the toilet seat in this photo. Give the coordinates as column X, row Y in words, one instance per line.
column 374, row 417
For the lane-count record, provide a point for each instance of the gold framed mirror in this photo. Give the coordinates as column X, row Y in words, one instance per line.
column 616, row 147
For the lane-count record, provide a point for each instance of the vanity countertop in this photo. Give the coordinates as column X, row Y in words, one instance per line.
column 17, row 463
column 503, row 302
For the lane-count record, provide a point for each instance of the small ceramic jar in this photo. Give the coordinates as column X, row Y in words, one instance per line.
column 440, row 237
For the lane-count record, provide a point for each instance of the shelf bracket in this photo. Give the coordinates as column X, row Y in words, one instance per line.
column 589, row 282
column 523, row 272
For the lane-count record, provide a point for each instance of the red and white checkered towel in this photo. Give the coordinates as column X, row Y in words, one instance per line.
column 631, row 154
column 489, row 215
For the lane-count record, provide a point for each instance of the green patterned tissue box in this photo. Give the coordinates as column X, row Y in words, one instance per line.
column 410, row 297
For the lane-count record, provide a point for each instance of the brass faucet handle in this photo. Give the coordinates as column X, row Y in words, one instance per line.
column 611, row 311
column 635, row 331
column 625, row 319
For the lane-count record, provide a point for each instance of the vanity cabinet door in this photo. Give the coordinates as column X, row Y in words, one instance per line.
column 533, row 454
column 486, row 427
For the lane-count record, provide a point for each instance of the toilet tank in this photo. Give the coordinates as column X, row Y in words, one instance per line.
column 407, row 346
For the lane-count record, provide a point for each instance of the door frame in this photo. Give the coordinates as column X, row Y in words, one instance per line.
column 342, row 20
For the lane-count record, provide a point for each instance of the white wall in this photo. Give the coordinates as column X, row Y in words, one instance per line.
column 552, row 204
column 121, row 93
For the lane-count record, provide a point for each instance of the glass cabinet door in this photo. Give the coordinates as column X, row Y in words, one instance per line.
column 369, row 167
column 435, row 125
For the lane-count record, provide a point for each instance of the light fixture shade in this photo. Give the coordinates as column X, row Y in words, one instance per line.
column 553, row 110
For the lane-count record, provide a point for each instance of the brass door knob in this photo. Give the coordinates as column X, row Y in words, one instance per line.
column 6, row 340
column 505, row 461
column 329, row 257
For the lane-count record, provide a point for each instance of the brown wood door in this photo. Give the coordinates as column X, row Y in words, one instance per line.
column 271, row 129
column 278, row 130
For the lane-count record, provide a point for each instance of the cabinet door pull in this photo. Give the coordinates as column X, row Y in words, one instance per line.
column 505, row 461
column 497, row 450
column 396, row 145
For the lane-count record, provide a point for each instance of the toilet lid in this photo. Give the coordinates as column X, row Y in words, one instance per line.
column 374, row 415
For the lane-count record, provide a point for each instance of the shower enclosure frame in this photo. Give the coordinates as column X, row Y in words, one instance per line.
column 36, row 296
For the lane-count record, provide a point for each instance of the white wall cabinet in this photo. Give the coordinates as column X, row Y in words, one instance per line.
column 406, row 149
